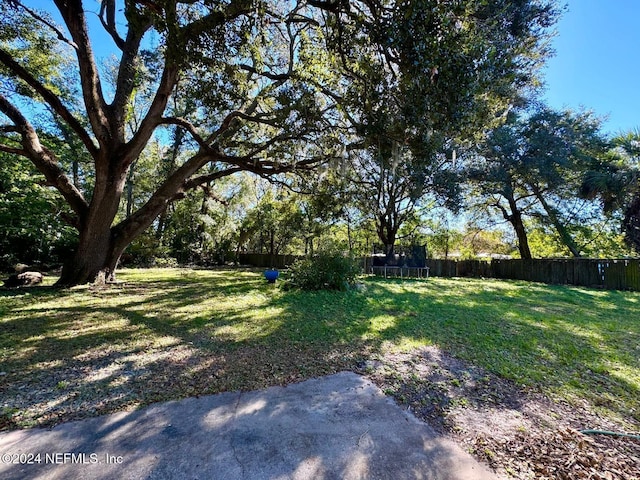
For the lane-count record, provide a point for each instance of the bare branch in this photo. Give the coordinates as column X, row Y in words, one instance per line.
column 127, row 69
column 75, row 20
column 505, row 214
column 296, row 17
column 188, row 126
column 9, row 128
column 328, row 5
column 203, row 179
column 270, row 76
column 154, row 115
column 13, row 150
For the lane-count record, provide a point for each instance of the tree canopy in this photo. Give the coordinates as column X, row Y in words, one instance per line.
column 266, row 87
column 532, row 167
column 615, row 181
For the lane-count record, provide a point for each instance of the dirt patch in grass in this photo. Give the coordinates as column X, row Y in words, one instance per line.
column 518, row 432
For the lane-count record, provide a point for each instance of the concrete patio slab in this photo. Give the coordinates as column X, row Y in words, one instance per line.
column 336, row 427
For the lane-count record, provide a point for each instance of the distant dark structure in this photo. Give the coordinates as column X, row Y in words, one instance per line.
column 414, row 256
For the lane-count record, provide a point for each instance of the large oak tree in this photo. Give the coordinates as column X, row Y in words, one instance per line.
column 241, row 63
column 532, row 167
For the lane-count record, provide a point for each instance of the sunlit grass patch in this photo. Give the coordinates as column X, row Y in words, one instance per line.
column 161, row 334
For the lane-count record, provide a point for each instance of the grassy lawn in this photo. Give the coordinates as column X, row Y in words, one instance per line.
column 170, row 333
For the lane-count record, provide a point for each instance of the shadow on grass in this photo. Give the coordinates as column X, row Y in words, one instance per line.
column 82, row 353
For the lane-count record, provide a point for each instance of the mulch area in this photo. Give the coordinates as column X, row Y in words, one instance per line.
column 519, row 433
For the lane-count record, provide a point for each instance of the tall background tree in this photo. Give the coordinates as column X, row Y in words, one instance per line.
column 451, row 71
column 532, row 168
column 615, row 181
column 237, row 61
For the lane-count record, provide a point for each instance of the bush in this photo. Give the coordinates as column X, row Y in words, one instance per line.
column 325, row 271
column 146, row 251
column 164, row 262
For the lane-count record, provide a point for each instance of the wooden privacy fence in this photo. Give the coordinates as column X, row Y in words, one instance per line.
column 621, row 274
column 463, row 268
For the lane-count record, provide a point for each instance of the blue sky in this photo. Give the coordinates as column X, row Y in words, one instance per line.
column 597, row 62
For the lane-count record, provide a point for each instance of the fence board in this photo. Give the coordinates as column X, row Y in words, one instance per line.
column 632, row 275
column 613, row 274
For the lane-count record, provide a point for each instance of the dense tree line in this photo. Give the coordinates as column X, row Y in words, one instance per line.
column 362, row 117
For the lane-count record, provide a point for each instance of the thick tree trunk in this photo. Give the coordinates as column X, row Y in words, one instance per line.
column 515, row 218
column 94, row 258
column 97, row 253
column 565, row 236
column 521, row 233
column 387, row 232
column 389, row 251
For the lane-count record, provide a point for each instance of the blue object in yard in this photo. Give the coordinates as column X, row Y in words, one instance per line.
column 271, row 275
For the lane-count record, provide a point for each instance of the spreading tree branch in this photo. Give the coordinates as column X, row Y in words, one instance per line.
column 332, row 6
column 204, row 179
column 13, row 150
column 171, row 189
column 74, row 17
column 270, row 76
column 50, row 98
column 44, row 160
column 108, row 19
column 188, row 126
column 126, row 79
column 61, row 36
column 208, row 23
column 153, row 118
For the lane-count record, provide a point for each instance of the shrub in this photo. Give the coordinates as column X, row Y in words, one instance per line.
column 325, row 271
column 165, row 262
column 145, row 251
